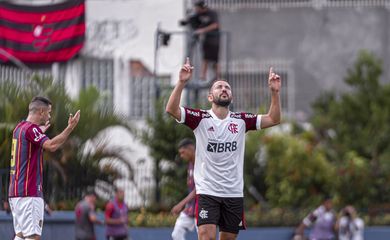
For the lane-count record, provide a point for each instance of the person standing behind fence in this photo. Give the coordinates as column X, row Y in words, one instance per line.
column 186, row 220
column 86, row 217
column 205, row 21
column 116, row 217
column 26, row 168
column 349, row 225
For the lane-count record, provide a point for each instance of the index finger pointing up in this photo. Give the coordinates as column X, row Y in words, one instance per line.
column 270, row 71
column 188, row 61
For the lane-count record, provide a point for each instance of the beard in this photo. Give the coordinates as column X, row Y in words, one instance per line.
column 222, row 102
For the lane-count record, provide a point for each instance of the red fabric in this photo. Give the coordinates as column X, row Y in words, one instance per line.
column 49, row 17
column 42, row 34
column 109, row 210
column 53, row 56
column 28, row 37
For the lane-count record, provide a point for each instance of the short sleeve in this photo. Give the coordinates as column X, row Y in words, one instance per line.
column 190, row 117
column 35, row 135
column 109, row 210
column 213, row 17
column 252, row 121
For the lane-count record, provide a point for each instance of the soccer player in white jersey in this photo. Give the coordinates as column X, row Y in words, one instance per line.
column 220, row 144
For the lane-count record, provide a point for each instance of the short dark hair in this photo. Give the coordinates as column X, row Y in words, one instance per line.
column 216, row 80
column 38, row 102
column 90, row 191
column 185, row 143
column 201, row 4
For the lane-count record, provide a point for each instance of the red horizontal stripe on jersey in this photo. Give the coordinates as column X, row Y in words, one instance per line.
column 43, row 17
column 27, row 37
column 60, row 55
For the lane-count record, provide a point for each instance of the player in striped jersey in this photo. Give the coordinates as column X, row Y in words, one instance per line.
column 26, row 168
column 220, row 145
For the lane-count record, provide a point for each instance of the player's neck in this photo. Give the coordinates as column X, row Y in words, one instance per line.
column 219, row 111
column 32, row 119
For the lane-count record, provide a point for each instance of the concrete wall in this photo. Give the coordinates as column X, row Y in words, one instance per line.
column 60, row 226
column 322, row 44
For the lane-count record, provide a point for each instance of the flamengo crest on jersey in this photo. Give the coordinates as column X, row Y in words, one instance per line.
column 220, row 145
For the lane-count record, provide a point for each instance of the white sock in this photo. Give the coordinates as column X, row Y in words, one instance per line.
column 18, row 238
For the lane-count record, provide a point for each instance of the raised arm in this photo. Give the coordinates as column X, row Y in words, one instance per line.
column 53, row 144
column 173, row 105
column 273, row 116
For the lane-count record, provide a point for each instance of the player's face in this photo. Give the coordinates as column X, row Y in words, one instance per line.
column 45, row 114
column 185, row 153
column 120, row 195
column 221, row 94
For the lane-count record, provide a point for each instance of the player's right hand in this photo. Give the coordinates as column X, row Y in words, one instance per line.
column 186, row 71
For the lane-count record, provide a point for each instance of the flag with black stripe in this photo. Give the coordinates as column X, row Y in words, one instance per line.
column 42, row 33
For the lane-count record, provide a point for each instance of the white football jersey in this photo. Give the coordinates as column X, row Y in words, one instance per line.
column 220, row 146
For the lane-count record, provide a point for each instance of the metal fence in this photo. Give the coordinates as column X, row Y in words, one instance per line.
column 19, row 76
column 249, row 82
column 275, row 4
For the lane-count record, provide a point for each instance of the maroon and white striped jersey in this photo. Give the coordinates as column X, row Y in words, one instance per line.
column 220, row 146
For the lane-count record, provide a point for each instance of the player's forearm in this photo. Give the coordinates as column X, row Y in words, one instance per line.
column 275, row 110
column 173, row 105
column 189, row 197
column 54, row 143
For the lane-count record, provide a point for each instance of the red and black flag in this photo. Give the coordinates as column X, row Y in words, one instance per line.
column 43, row 33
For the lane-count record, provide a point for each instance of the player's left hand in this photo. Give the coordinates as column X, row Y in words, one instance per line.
column 176, row 209
column 274, row 81
column 73, row 120
column 45, row 127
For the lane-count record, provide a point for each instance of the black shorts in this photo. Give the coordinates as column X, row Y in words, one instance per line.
column 227, row 213
column 211, row 49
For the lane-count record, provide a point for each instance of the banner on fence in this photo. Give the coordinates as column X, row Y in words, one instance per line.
column 42, row 33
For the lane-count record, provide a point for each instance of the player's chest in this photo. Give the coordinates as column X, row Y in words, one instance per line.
column 223, row 129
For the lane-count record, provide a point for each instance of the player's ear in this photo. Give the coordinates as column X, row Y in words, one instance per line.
column 210, row 97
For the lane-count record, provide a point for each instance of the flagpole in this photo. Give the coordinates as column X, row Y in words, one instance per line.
column 15, row 60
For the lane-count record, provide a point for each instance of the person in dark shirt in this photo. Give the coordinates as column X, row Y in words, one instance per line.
column 86, row 218
column 205, row 24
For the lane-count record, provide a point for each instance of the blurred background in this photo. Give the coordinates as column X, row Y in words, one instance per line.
column 118, row 62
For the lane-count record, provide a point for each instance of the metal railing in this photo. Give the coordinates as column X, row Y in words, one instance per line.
column 276, row 4
column 249, row 82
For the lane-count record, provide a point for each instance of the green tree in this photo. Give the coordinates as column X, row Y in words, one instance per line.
column 297, row 171
column 354, row 126
column 68, row 171
column 162, row 136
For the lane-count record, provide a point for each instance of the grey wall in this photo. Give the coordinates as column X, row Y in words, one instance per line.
column 322, row 44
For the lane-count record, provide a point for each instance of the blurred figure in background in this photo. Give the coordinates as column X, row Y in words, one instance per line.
column 349, row 225
column 321, row 221
column 86, row 217
column 186, row 220
column 116, row 217
column 205, row 24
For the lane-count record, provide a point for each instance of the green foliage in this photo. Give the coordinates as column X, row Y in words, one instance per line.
column 69, row 170
column 162, row 137
column 297, row 172
column 355, row 128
